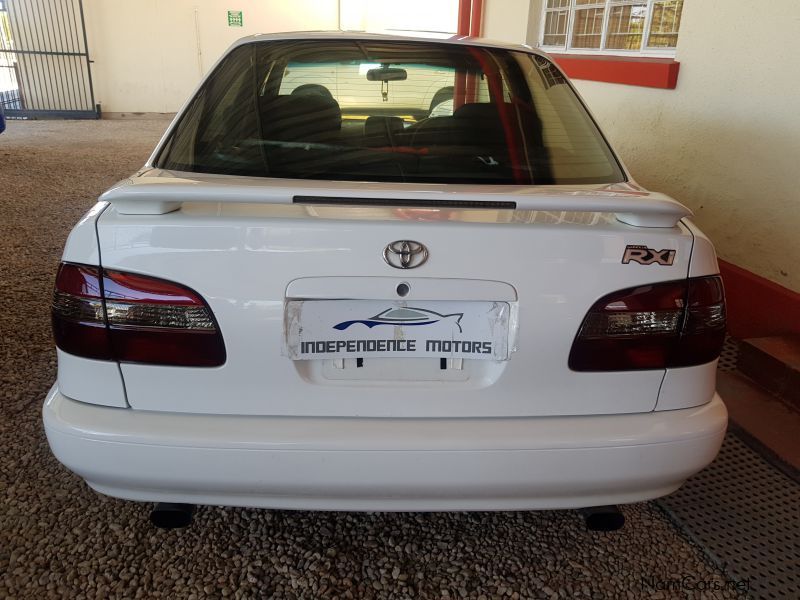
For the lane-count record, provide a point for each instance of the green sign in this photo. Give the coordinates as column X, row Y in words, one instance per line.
column 235, row 18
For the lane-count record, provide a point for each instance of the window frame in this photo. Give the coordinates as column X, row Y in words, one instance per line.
column 606, row 5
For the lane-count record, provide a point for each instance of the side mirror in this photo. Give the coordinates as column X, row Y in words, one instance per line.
column 387, row 74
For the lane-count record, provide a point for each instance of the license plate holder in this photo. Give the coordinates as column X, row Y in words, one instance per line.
column 332, row 329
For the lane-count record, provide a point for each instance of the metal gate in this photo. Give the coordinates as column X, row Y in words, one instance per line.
column 45, row 69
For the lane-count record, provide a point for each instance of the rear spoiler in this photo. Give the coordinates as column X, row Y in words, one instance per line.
column 160, row 193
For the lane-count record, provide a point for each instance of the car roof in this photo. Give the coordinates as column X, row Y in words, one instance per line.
column 429, row 37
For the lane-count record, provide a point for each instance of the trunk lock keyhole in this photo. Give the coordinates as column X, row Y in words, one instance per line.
column 403, row 289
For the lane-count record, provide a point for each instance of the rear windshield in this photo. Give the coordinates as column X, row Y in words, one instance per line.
column 389, row 111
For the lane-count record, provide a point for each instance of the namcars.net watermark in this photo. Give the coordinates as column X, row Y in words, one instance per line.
column 689, row 583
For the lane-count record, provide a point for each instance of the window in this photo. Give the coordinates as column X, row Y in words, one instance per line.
column 364, row 110
column 644, row 27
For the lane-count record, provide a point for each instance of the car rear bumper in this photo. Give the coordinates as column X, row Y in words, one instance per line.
column 383, row 464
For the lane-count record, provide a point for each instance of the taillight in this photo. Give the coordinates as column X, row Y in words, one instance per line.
column 79, row 325
column 111, row 315
column 657, row 326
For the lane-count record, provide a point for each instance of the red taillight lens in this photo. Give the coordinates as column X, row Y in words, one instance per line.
column 111, row 315
column 160, row 322
column 79, row 325
column 703, row 331
column 658, row 326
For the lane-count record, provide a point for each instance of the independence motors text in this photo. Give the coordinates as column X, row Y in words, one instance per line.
column 355, row 346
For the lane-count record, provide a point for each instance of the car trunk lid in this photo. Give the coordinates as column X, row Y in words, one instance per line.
column 277, row 273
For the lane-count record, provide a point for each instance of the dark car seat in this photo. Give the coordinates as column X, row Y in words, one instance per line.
column 382, row 131
column 301, row 118
column 436, row 131
column 472, row 124
column 480, row 125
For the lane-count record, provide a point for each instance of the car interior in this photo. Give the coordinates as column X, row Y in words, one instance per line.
column 337, row 119
column 477, row 140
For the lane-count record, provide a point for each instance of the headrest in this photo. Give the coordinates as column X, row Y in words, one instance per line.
column 300, row 118
column 382, row 126
column 479, row 123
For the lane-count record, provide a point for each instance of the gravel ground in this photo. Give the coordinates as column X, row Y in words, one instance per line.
column 58, row 539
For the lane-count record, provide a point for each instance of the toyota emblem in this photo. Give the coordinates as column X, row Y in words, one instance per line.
column 405, row 254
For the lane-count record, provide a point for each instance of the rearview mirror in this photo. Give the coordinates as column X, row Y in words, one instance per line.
column 387, row 74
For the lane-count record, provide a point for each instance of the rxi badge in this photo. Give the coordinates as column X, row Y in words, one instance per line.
column 648, row 256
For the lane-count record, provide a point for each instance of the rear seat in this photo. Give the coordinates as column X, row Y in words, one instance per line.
column 382, row 131
column 300, row 118
column 433, row 132
column 474, row 124
column 479, row 125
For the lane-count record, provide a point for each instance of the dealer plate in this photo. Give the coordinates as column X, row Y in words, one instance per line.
column 326, row 329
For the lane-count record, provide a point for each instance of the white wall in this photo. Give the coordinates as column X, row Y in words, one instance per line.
column 726, row 142
column 416, row 15
column 150, row 54
column 506, row 20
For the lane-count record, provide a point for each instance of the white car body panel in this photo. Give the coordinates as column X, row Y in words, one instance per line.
column 704, row 258
column 687, row 386
column 383, row 464
column 389, row 434
column 81, row 244
column 93, row 381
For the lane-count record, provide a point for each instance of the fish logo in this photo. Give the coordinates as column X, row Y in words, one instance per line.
column 404, row 316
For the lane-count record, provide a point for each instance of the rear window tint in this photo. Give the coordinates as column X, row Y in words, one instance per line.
column 389, row 111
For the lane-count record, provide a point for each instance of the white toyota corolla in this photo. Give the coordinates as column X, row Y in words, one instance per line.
column 341, row 297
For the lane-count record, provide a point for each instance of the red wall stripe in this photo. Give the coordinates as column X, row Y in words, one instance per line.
column 470, row 23
column 476, row 20
column 758, row 307
column 464, row 10
column 646, row 72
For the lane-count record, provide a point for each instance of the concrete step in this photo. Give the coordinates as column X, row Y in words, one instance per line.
column 772, row 422
column 774, row 364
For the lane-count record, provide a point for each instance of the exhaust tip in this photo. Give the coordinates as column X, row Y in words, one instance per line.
column 603, row 518
column 168, row 515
